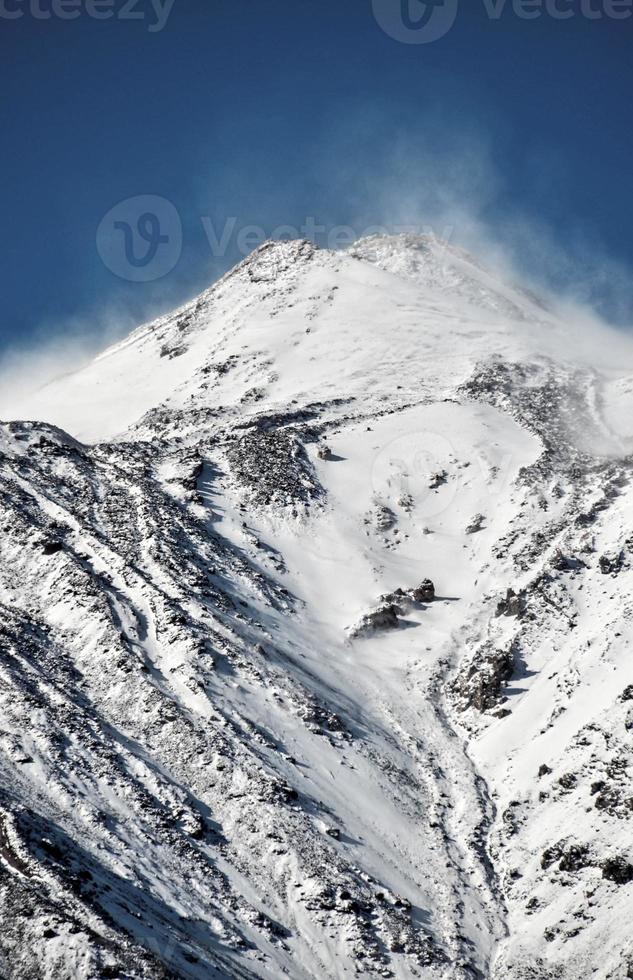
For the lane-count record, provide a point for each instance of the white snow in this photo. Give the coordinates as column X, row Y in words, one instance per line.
column 497, row 437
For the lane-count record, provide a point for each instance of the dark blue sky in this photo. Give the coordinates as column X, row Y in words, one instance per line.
column 272, row 112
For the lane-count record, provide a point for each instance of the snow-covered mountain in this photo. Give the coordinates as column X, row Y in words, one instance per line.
column 315, row 635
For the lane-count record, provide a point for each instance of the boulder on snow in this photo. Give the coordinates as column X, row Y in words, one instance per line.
column 438, row 479
column 324, row 452
column 52, row 547
column 571, row 857
column 611, row 564
column 560, row 562
column 385, row 617
column 618, row 870
column 425, row 592
column 512, row 605
column 502, row 713
column 476, row 524
column 383, row 518
column 396, row 598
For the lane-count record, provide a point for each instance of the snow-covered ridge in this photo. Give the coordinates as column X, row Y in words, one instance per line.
column 269, row 308
column 242, row 734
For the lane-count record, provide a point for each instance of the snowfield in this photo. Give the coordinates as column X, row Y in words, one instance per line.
column 241, row 734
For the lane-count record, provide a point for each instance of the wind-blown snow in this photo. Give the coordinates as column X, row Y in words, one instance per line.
column 205, row 771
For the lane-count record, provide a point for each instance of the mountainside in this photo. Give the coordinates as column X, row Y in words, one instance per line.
column 315, row 635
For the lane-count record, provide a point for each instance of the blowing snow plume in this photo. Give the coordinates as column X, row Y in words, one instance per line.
column 327, row 613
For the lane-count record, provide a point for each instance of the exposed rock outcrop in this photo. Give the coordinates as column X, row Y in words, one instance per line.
column 512, row 605
column 385, row 617
column 481, row 679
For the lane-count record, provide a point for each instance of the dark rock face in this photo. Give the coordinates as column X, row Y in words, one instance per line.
column 383, row 618
column 611, row 564
column 274, row 468
column 560, row 561
column 542, row 400
column 618, row 870
column 512, row 605
column 575, row 858
column 612, row 799
column 571, row 857
column 52, row 547
column 204, row 792
column 425, row 592
column 198, row 678
column 481, row 681
column 568, row 780
column 398, row 598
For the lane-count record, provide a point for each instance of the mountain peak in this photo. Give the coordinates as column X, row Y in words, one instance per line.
column 316, row 648
column 274, row 257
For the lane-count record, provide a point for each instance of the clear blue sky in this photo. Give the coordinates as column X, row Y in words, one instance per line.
column 274, row 111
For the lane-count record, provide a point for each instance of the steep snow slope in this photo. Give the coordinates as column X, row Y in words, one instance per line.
column 223, row 753
column 294, row 322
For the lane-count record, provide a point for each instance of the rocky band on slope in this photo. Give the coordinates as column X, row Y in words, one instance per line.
column 243, row 733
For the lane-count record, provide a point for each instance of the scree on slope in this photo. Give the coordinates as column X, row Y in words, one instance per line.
column 315, row 631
